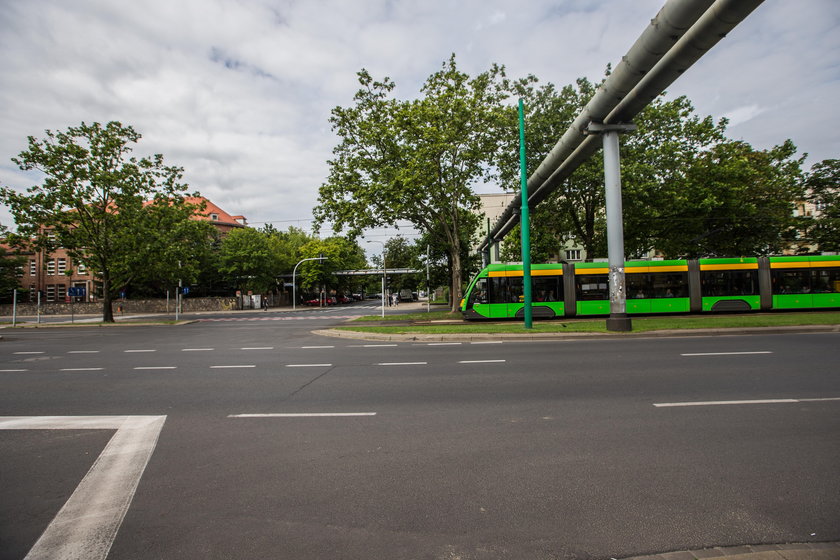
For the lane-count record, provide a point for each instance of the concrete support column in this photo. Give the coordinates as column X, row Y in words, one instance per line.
column 618, row 320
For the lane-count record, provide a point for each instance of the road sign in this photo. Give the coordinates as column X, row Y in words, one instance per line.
column 76, row 292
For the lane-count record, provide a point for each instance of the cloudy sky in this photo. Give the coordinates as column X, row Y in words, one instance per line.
column 239, row 92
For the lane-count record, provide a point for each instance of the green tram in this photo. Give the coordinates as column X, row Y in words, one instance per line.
column 668, row 286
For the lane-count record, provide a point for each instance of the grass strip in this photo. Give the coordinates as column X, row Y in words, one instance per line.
column 640, row 324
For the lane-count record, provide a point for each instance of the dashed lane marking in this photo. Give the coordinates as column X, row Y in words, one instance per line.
column 726, row 353
column 754, row 401
column 482, row 361
column 303, row 415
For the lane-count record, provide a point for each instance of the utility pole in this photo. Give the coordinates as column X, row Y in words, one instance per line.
column 525, row 222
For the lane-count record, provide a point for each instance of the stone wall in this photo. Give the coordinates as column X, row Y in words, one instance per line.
column 132, row 306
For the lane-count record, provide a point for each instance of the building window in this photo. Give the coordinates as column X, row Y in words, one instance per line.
column 51, row 268
column 51, row 292
column 81, row 269
column 33, row 268
column 62, row 266
column 573, row 254
column 19, row 271
column 214, row 217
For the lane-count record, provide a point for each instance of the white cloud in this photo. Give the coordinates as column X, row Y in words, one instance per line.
column 239, row 92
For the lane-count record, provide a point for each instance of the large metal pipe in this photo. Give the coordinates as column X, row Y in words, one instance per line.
column 643, row 74
column 674, row 19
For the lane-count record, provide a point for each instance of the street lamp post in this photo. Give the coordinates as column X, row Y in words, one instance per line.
column 383, row 273
column 294, row 273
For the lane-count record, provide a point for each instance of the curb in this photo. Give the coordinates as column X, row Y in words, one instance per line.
column 796, row 551
column 672, row 333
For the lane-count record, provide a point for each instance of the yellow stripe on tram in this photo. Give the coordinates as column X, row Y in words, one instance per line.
column 737, row 266
column 805, row 264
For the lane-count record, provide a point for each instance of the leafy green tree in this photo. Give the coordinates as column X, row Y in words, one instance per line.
column 341, row 254
column 247, row 261
column 823, row 190
column 108, row 209
column 687, row 190
column 415, row 160
column 736, row 201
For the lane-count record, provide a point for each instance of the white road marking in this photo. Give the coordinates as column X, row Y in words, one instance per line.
column 232, row 367
column 726, row 353
column 82, row 369
column 197, row 349
column 308, row 365
column 83, row 352
column 372, row 345
column 402, row 363
column 11, row 370
column 444, row 344
column 24, row 353
column 313, row 347
column 488, row 342
column 258, row 348
column 157, row 367
column 755, row 401
column 85, row 527
column 302, row 415
column 138, row 351
column 482, row 361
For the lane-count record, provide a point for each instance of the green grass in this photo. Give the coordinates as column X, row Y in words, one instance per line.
column 420, row 316
column 640, row 324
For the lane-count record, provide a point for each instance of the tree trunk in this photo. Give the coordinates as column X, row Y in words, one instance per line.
column 455, row 290
column 107, row 310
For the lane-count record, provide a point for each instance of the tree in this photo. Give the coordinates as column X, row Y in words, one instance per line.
column 9, row 265
column 415, row 160
column 108, row 209
column 341, row 254
column 686, row 189
column 736, row 201
column 823, row 190
column 247, row 261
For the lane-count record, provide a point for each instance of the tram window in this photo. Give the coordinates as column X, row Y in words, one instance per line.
column 506, row 289
column 825, row 280
column 639, row 286
column 592, row 286
column 729, row 283
column 479, row 292
column 546, row 288
column 796, row 281
column 516, row 291
column 669, row 284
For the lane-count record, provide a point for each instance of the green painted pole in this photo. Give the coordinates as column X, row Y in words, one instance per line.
column 525, row 222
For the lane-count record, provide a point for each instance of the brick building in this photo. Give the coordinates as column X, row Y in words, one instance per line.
column 53, row 273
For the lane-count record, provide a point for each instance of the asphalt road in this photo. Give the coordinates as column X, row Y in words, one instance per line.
column 265, row 441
